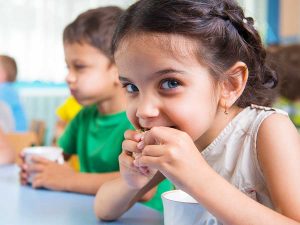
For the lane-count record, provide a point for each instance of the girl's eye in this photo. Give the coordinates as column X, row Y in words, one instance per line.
column 169, row 84
column 130, row 88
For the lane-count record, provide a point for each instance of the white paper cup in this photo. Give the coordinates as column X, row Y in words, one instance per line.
column 48, row 152
column 181, row 208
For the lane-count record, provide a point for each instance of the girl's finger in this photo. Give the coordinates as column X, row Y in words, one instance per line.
column 130, row 146
column 148, row 161
column 133, row 135
column 160, row 135
column 126, row 160
column 154, row 150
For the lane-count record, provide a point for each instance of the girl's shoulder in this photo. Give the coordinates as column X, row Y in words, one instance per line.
column 268, row 109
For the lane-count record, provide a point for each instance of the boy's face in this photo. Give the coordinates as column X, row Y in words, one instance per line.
column 91, row 77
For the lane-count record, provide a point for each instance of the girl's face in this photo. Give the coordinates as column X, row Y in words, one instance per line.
column 166, row 85
column 90, row 78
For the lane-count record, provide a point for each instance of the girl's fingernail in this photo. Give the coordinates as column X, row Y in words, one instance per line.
column 138, row 136
column 140, row 145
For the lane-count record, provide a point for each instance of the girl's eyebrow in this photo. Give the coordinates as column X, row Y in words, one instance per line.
column 155, row 74
column 166, row 71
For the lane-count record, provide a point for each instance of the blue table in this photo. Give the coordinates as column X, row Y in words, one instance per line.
column 23, row 205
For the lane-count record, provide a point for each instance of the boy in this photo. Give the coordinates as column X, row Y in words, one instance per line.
column 96, row 133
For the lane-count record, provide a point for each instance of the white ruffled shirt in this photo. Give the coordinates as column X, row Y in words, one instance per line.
column 233, row 155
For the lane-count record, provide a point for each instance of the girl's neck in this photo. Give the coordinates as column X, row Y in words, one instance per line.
column 220, row 122
column 116, row 103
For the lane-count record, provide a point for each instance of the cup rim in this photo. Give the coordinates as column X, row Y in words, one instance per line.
column 163, row 196
column 39, row 149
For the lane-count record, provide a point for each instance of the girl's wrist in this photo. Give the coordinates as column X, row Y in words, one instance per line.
column 200, row 180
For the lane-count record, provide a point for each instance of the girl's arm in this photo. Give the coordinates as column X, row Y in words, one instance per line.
column 115, row 197
column 278, row 147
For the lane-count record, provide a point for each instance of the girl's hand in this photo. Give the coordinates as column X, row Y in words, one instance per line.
column 174, row 154
column 136, row 177
column 49, row 174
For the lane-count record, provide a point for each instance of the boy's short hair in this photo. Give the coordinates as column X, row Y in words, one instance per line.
column 10, row 66
column 95, row 27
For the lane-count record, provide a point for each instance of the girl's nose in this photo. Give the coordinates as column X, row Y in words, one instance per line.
column 147, row 108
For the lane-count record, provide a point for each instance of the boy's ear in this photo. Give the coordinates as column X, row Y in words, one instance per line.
column 233, row 85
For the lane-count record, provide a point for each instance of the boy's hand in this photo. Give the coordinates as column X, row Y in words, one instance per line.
column 135, row 176
column 49, row 174
column 174, row 154
column 23, row 170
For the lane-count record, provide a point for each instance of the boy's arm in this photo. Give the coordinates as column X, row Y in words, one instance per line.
column 115, row 197
column 88, row 183
column 63, row 178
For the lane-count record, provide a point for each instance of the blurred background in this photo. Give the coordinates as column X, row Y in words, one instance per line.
column 31, row 32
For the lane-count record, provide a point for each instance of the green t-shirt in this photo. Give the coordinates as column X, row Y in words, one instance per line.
column 96, row 139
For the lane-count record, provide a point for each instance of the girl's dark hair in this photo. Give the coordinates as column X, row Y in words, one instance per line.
column 95, row 27
column 224, row 34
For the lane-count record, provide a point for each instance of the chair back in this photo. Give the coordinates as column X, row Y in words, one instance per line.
column 20, row 140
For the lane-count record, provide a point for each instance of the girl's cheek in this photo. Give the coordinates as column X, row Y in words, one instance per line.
column 131, row 113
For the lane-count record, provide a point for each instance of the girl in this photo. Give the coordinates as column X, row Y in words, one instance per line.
column 195, row 71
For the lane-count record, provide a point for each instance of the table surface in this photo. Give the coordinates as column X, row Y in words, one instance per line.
column 23, row 205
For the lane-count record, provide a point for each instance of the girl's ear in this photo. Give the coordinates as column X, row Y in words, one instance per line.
column 233, row 85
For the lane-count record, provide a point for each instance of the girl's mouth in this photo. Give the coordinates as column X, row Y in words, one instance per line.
column 143, row 129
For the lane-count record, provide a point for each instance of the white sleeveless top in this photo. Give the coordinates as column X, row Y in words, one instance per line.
column 233, row 156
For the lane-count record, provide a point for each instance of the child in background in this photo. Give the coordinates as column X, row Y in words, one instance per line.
column 195, row 73
column 7, row 154
column 286, row 59
column 97, row 131
column 7, row 121
column 8, row 94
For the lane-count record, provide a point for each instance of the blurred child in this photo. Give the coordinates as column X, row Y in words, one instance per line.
column 97, row 131
column 7, row 154
column 7, row 122
column 8, row 94
column 197, row 81
column 286, row 59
